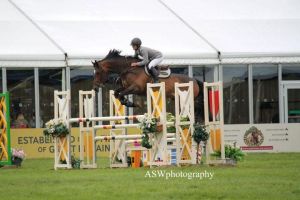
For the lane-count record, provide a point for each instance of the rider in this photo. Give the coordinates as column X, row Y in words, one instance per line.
column 151, row 58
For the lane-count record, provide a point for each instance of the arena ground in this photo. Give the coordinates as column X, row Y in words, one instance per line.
column 259, row 176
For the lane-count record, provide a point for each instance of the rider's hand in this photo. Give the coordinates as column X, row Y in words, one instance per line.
column 134, row 64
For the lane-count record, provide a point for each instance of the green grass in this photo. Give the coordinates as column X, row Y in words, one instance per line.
column 260, row 176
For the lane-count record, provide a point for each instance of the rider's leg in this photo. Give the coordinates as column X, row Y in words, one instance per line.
column 152, row 68
column 154, row 73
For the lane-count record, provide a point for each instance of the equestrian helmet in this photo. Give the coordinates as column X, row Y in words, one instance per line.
column 136, row 41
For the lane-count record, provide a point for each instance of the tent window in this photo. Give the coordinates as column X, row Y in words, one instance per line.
column 20, row 84
column 81, row 79
column 235, row 94
column 49, row 80
column 265, row 94
column 291, row 72
column 204, row 73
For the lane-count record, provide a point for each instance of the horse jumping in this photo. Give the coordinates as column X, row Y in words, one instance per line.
column 133, row 80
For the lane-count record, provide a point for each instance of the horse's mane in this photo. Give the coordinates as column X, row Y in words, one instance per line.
column 113, row 53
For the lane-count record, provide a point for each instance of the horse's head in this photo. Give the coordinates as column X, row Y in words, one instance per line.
column 100, row 74
column 113, row 63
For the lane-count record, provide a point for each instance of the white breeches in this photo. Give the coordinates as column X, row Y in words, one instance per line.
column 155, row 62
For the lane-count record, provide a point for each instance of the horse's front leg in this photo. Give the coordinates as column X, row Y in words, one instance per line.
column 127, row 91
column 117, row 92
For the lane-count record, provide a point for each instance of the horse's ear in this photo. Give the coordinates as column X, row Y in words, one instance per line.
column 94, row 63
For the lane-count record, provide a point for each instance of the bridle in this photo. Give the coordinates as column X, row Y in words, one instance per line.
column 127, row 70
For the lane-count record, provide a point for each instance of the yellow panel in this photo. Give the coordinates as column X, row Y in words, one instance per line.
column 65, row 147
column 215, row 138
column 185, row 153
column 88, row 141
column 159, row 100
column 119, row 110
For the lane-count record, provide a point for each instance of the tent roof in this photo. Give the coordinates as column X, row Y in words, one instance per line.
column 187, row 32
column 21, row 40
column 243, row 28
column 87, row 29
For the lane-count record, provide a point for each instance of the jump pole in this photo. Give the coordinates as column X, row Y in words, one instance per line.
column 120, row 137
column 213, row 99
column 5, row 148
column 117, row 128
column 62, row 145
column 87, row 107
column 156, row 100
column 184, row 108
column 110, row 118
column 88, row 129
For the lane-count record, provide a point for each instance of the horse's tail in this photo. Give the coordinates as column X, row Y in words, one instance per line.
column 199, row 104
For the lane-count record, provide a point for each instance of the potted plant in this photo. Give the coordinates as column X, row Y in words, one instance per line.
column 56, row 128
column 200, row 134
column 18, row 155
column 148, row 125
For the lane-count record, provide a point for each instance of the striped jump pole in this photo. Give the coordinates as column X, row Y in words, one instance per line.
column 128, row 141
column 5, row 148
column 111, row 118
column 116, row 126
column 120, row 137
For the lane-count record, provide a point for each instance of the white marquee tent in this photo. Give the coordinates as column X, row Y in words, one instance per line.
column 48, row 33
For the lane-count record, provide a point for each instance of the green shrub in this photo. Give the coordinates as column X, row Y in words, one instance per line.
column 231, row 152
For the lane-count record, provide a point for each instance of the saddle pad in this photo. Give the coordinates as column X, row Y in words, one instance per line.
column 162, row 73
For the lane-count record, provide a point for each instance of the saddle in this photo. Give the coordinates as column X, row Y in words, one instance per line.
column 164, row 71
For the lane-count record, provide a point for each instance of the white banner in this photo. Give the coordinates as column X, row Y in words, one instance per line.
column 264, row 137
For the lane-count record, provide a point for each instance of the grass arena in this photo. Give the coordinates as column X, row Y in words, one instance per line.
column 36, row 179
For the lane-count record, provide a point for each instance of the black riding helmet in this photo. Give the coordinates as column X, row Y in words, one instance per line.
column 136, row 41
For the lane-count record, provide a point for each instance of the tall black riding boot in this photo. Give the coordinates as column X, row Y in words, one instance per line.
column 154, row 74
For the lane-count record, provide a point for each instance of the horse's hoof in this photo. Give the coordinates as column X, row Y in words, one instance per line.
column 130, row 104
column 96, row 89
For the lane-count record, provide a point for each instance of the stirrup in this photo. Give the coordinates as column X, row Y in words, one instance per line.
column 155, row 80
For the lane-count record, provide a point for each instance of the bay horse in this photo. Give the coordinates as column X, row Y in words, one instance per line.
column 133, row 80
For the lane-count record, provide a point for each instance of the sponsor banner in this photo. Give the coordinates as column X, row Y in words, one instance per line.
column 251, row 138
column 264, row 137
column 36, row 145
